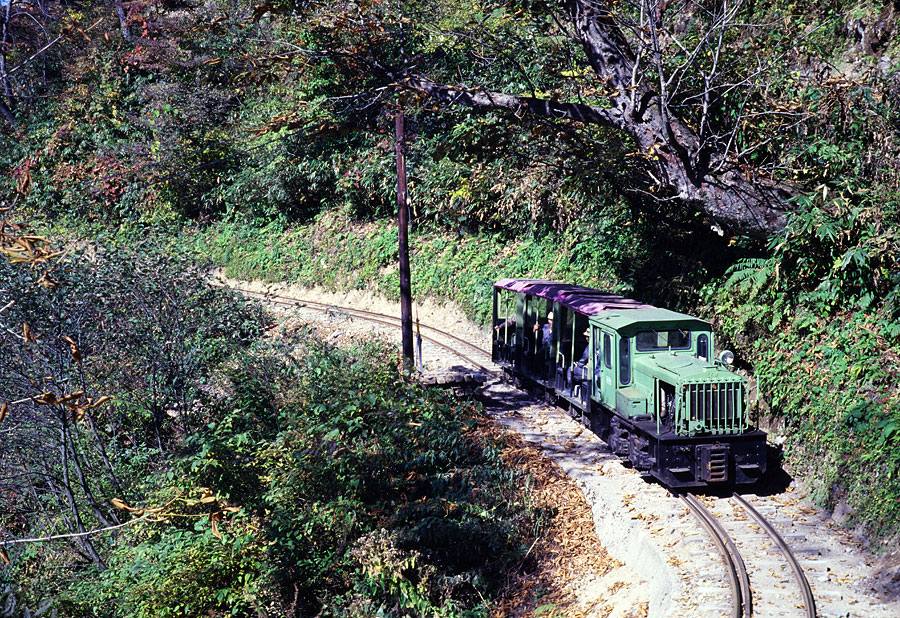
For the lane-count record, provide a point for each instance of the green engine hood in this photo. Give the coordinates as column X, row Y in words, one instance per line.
column 679, row 368
column 701, row 397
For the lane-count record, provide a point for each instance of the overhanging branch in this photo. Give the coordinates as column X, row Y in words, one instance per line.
column 518, row 105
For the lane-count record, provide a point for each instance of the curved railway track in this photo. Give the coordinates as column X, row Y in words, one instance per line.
column 739, row 577
column 809, row 601
column 735, row 569
column 378, row 318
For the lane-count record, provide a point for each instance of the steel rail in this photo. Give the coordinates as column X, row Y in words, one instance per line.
column 370, row 316
column 742, row 607
column 805, row 588
column 443, row 333
column 362, row 312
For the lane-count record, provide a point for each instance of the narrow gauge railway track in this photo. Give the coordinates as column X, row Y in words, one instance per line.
column 736, row 569
column 377, row 318
column 809, row 601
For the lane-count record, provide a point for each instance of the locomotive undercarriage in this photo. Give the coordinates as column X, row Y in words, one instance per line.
column 678, row 462
column 681, row 461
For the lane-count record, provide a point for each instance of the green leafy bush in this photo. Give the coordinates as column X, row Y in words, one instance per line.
column 100, row 390
column 821, row 310
column 358, row 494
column 176, row 572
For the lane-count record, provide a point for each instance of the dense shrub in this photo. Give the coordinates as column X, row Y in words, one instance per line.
column 339, row 488
column 822, row 309
column 100, row 388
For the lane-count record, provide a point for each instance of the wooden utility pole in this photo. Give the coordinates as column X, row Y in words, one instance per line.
column 403, row 236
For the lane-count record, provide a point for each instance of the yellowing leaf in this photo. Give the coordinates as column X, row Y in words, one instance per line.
column 99, row 402
column 213, row 517
column 71, row 396
column 73, row 348
column 46, row 399
column 78, row 413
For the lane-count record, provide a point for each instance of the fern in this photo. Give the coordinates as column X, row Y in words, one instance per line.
column 750, row 275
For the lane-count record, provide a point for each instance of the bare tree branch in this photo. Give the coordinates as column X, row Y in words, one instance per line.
column 74, row 535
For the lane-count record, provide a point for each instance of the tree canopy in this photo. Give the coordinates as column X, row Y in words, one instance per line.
column 673, row 105
column 686, row 103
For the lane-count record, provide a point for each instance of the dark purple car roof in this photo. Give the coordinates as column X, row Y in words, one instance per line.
column 586, row 301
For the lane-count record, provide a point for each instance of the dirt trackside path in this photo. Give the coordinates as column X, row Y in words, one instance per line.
column 571, row 571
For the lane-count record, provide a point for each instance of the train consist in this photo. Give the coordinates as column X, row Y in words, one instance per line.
column 644, row 379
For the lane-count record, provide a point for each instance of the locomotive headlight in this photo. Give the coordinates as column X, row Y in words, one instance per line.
column 726, row 357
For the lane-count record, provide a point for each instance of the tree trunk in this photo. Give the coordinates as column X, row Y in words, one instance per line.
column 5, row 109
column 85, row 542
column 123, row 22
column 101, row 450
column 75, row 456
column 4, row 41
column 8, row 115
column 731, row 197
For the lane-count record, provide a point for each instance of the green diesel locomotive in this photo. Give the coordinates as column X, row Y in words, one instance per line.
column 644, row 379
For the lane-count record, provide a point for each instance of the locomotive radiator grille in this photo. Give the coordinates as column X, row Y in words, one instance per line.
column 719, row 406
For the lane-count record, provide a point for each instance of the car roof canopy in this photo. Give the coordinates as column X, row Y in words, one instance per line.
column 649, row 319
column 586, row 301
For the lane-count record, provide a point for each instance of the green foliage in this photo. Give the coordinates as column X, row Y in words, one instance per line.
column 143, row 329
column 337, row 253
column 359, row 494
column 334, row 251
column 821, row 311
column 271, row 127
column 189, row 124
column 175, row 572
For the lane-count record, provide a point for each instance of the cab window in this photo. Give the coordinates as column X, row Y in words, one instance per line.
column 624, row 361
column 657, row 340
column 607, row 350
column 703, row 346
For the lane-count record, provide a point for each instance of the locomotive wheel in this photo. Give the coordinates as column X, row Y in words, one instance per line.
column 619, row 440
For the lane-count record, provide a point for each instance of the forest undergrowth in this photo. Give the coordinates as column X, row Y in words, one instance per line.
column 178, row 462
